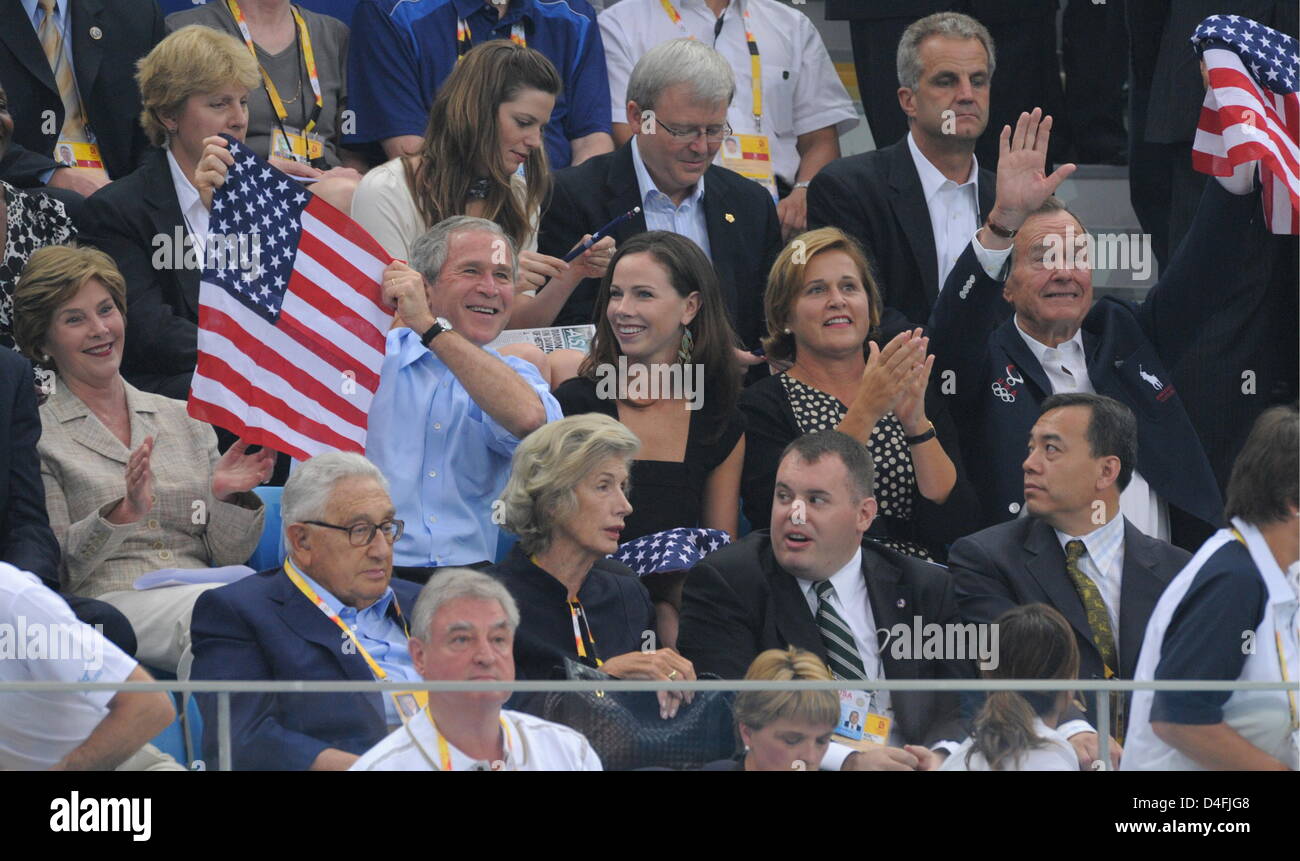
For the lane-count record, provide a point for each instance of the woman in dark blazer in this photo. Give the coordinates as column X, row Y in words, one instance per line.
column 566, row 500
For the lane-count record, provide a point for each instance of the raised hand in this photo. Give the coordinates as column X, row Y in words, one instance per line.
column 404, row 290
column 139, row 487
column 1023, row 183
column 238, row 471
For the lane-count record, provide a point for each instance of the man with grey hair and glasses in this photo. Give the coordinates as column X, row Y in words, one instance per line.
column 915, row 204
column 463, row 629
column 677, row 100
column 449, row 411
column 332, row 612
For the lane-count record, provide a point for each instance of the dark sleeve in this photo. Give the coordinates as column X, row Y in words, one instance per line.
column 157, row 338
column 140, row 143
column 964, row 317
column 772, row 247
column 981, row 588
column 28, row 542
column 588, row 87
column 384, row 76
column 1205, row 640
column 715, row 633
column 562, row 225
column 945, row 719
column 715, row 452
column 578, row 397
column 1217, row 260
column 25, row 168
column 769, row 428
column 937, row 526
column 830, row 204
column 226, row 649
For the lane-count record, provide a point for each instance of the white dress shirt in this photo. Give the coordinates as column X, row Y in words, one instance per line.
column 686, row 219
column 196, row 215
column 954, row 208
column 1103, row 563
column 1066, row 367
column 531, row 744
column 801, row 90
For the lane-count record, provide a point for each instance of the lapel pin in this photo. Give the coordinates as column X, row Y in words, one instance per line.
column 96, row 33
column 730, row 218
column 901, row 603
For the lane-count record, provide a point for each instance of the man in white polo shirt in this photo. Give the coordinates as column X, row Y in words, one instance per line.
column 42, row 641
column 464, row 629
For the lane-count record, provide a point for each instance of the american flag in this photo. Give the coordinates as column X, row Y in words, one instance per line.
column 1251, row 111
column 672, row 550
column 291, row 336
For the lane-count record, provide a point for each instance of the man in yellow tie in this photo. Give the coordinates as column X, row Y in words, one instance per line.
column 1074, row 550
column 69, row 76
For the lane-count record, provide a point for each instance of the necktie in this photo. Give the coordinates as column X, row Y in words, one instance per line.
column 1103, row 637
column 51, row 36
column 845, row 662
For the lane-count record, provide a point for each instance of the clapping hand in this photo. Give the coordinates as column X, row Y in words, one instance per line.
column 910, row 408
column 238, row 471
column 139, row 486
column 889, row 371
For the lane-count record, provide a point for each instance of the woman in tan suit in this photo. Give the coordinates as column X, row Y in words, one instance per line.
column 132, row 483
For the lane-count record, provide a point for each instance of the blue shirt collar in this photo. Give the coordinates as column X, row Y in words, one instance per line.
column 31, row 7
column 466, row 8
column 336, row 606
column 647, row 185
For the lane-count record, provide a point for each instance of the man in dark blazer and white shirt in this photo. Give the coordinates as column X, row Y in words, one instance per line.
column 760, row 593
column 914, row 203
column 1080, row 456
column 1058, row 341
column 678, row 86
column 106, row 37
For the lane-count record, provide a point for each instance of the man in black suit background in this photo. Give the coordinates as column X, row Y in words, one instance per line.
column 678, row 95
column 813, row 582
column 1074, row 551
column 915, row 203
column 102, row 40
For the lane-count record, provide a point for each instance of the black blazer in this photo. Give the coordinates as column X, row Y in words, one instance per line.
column 26, row 540
column 261, row 628
column 999, row 383
column 738, row 601
column 1021, row 562
column 876, row 198
column 105, row 72
column 744, row 233
column 162, row 304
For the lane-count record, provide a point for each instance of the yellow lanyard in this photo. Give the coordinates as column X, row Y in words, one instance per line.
column 444, row 750
column 1281, row 654
column 755, row 62
column 463, row 36
column 308, row 55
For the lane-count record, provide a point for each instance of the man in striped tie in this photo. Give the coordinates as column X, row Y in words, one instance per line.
column 812, row 581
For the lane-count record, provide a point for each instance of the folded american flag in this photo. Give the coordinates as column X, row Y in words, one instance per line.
column 1251, row 111
column 291, row 335
column 671, row 550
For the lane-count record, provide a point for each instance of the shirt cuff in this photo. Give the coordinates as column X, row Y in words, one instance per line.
column 835, row 756
column 948, row 747
column 993, row 262
column 45, row 177
column 1074, row 727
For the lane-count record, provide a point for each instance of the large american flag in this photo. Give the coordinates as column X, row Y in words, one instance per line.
column 291, row 339
column 1251, row 111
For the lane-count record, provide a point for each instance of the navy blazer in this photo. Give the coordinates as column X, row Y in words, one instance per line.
column 998, row 383
column 738, row 601
column 744, row 232
column 1021, row 562
column 263, row 628
column 123, row 219
column 26, row 540
column 876, row 197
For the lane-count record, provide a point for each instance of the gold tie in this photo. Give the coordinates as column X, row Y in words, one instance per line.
column 51, row 35
column 1103, row 637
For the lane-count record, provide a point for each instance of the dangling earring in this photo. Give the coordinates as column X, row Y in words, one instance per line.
column 688, row 344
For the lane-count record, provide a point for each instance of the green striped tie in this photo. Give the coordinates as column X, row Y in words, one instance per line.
column 845, row 662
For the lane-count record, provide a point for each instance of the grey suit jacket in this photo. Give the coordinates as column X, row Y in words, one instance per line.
column 83, row 466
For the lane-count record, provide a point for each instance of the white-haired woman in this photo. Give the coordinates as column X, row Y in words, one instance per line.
column 567, row 502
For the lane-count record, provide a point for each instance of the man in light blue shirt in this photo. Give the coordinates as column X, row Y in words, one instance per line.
column 449, row 412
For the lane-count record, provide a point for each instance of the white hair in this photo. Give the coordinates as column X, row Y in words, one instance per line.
column 429, row 252
column 953, row 25
column 681, row 61
column 308, row 490
column 447, row 585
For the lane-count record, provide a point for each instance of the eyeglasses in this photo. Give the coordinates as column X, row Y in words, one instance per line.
column 712, row 134
column 361, row 534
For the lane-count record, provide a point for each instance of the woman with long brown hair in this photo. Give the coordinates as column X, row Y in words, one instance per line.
column 663, row 363
column 485, row 124
column 1016, row 730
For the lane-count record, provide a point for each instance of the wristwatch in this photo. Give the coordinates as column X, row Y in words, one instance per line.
column 440, row 325
column 802, row 183
column 999, row 230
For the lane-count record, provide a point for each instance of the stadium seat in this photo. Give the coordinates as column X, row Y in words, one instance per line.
column 270, row 550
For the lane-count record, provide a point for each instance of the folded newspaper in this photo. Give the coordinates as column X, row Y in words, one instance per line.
column 187, row 576
column 550, row 338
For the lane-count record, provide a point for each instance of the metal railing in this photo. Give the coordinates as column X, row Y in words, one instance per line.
column 223, row 690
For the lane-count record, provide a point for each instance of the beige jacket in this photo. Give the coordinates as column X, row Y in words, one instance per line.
column 84, row 469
